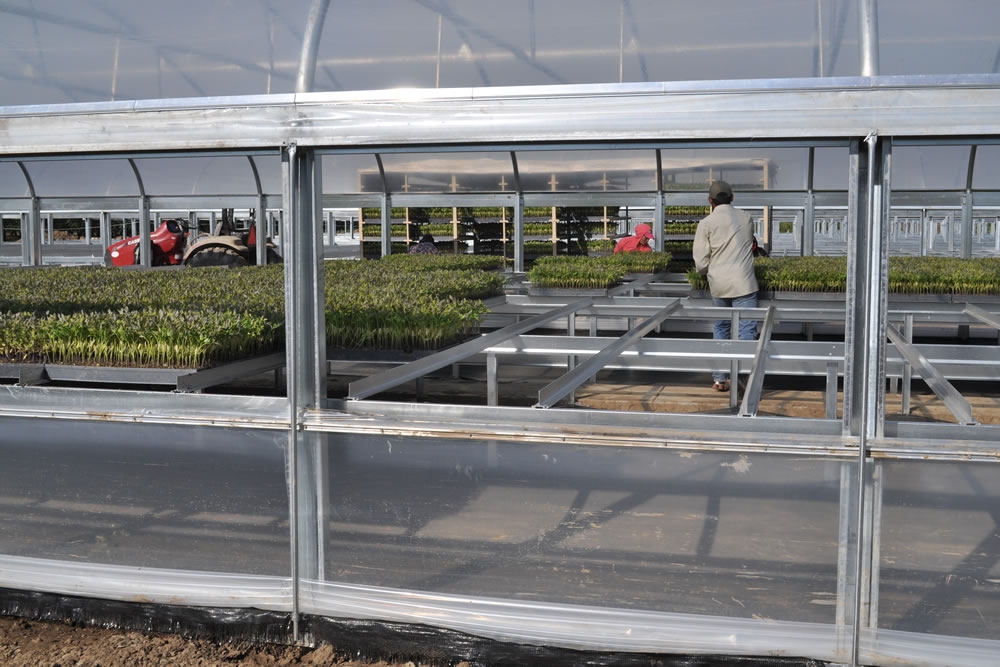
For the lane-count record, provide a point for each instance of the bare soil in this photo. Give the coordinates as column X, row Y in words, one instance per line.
column 26, row 643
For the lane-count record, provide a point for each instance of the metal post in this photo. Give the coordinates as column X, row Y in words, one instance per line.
column 807, row 245
column 492, row 387
column 386, row 224
column 907, row 369
column 519, row 234
column 145, row 247
column 868, row 37
column 734, row 364
column 864, row 339
column 31, row 235
column 305, row 361
column 966, row 225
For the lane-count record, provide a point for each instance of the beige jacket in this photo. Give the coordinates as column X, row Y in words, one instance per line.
column 722, row 249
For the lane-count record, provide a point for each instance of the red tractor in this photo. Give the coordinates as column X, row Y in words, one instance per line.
column 226, row 247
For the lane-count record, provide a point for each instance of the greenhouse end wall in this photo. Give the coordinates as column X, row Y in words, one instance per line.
column 662, row 550
column 636, row 532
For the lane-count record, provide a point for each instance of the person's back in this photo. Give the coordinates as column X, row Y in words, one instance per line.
column 723, row 248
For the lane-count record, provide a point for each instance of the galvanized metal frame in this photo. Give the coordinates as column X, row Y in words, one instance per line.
column 865, row 111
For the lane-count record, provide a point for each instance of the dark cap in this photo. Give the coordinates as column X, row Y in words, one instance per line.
column 720, row 190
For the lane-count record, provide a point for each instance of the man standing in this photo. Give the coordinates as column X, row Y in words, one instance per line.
column 637, row 243
column 723, row 250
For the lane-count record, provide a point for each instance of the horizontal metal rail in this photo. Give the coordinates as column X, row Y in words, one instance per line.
column 555, row 391
column 183, row 379
column 393, row 377
column 934, row 379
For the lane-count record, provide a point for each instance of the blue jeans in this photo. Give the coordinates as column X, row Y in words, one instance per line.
column 723, row 328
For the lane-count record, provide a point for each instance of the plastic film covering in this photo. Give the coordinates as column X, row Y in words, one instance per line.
column 531, row 543
column 156, row 498
column 940, row 549
column 576, row 626
column 56, row 52
column 146, row 585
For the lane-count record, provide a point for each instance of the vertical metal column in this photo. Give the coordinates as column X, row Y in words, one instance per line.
column 808, row 241
column 518, row 217
column 864, row 372
column 310, row 46
column 31, row 225
column 194, row 229
column 867, row 282
column 659, row 220
column 868, row 35
column 967, row 206
column 145, row 247
column 305, row 359
column 659, row 212
column 31, row 235
column 260, row 228
column 386, row 224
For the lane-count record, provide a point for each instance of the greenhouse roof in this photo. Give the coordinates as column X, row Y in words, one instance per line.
column 54, row 52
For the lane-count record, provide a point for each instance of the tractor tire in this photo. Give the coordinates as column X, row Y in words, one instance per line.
column 217, row 256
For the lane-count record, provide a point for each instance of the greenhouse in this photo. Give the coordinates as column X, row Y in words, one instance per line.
column 232, row 398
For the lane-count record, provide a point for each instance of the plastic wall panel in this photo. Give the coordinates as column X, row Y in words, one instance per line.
column 155, row 496
column 940, row 549
column 590, row 170
column 12, row 183
column 986, row 174
column 200, row 175
column 81, row 178
column 666, row 531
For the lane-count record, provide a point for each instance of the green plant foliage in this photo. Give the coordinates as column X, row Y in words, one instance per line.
column 195, row 318
column 681, row 228
column 404, row 304
column 687, row 210
column 907, row 275
column 678, row 246
column 583, row 272
column 456, row 262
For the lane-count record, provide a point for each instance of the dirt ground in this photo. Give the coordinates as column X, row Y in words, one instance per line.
column 25, row 643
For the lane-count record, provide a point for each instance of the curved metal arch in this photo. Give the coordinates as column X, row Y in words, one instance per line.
column 27, row 179
column 138, row 177
column 310, row 46
column 381, row 174
column 659, row 170
column 972, row 167
column 517, row 174
column 256, row 175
